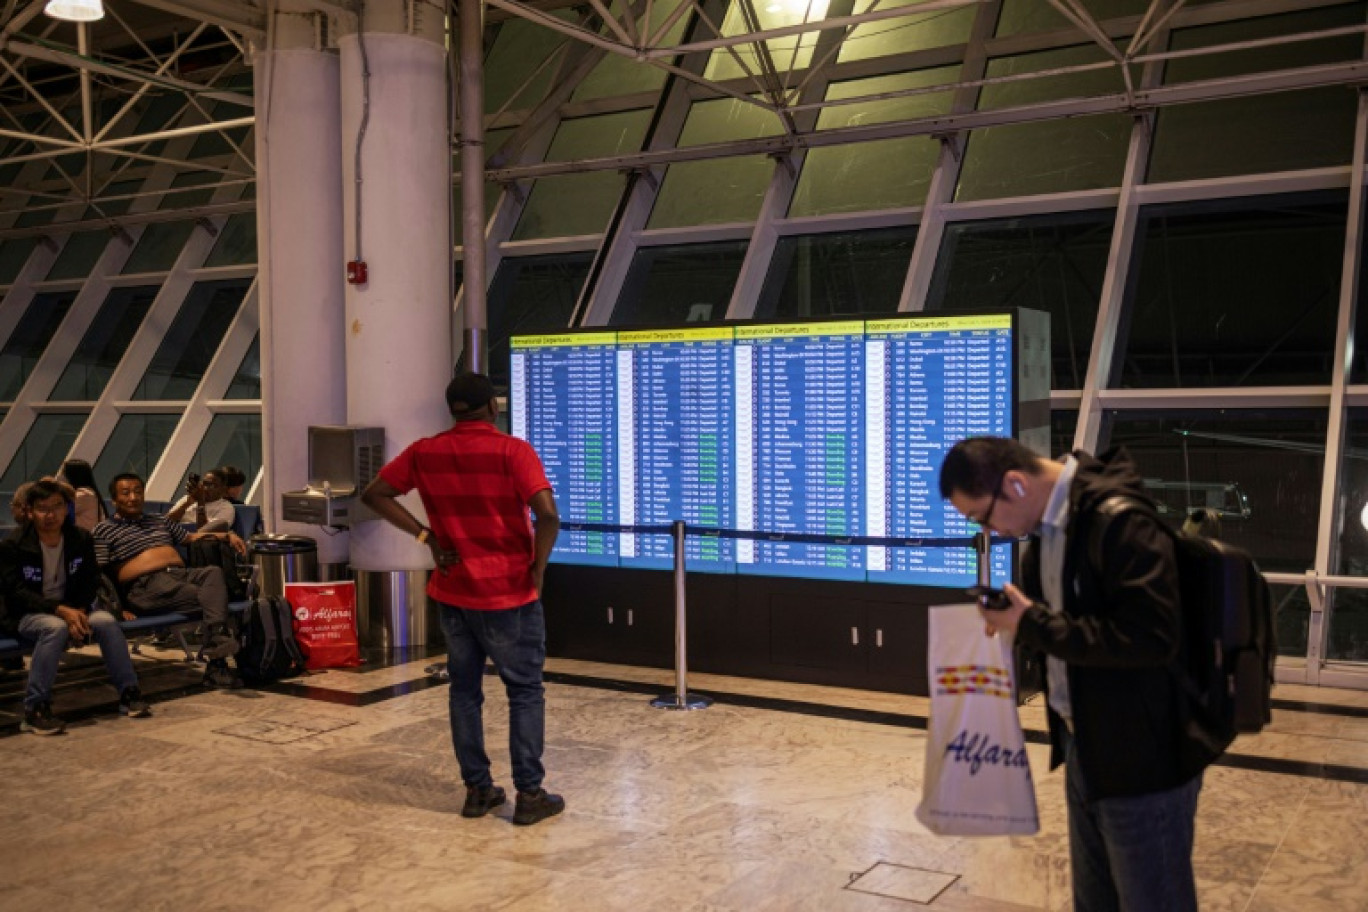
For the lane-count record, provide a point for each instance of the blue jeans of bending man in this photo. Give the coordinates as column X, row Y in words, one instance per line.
column 1131, row 854
column 49, row 635
column 515, row 640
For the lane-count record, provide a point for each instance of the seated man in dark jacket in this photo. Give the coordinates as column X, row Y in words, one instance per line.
column 48, row 577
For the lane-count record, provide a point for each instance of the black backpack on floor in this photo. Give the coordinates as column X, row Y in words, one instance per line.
column 268, row 650
column 1229, row 647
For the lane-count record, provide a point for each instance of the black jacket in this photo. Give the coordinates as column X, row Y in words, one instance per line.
column 21, row 573
column 1119, row 633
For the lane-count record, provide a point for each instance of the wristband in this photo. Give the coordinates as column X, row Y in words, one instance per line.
column 423, row 535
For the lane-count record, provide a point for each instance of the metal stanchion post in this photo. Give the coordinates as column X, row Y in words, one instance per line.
column 680, row 699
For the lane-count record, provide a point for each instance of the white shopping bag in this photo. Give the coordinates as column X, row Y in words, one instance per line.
column 978, row 782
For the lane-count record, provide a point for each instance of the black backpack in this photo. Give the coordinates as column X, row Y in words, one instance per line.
column 268, row 651
column 215, row 552
column 1229, row 649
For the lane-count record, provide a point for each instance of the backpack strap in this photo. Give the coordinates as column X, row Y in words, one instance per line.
column 285, row 612
column 1110, row 507
column 266, row 612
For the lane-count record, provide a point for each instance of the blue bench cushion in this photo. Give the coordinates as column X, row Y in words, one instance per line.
column 8, row 645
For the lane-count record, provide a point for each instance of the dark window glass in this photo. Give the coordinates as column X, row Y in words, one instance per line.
column 532, row 295
column 1268, row 132
column 1291, row 618
column 158, row 247
column 851, row 272
column 78, row 255
column 14, row 253
column 231, row 440
column 1349, row 618
column 686, row 284
column 104, row 344
column 1050, row 263
column 189, row 345
column 1063, row 427
column 135, row 446
column 1261, row 469
column 247, row 381
column 1235, row 293
column 237, row 242
column 29, row 339
column 47, row 444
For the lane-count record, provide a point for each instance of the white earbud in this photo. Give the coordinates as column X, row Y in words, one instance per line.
column 1020, row 491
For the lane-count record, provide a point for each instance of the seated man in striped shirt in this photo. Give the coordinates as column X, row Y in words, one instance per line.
column 139, row 550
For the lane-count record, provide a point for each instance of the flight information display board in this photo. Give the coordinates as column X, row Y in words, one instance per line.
column 833, row 428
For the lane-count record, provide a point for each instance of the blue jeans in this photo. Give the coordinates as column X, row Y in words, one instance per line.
column 1132, row 854
column 515, row 639
column 49, row 634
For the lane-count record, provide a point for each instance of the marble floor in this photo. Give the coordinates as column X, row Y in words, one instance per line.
column 340, row 791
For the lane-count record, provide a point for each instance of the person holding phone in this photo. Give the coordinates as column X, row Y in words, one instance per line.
column 1110, row 632
column 212, row 511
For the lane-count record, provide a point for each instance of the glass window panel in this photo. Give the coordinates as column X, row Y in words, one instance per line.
column 1021, row 16
column 215, row 143
column 34, row 218
column 158, row 247
column 900, row 35
column 827, row 275
column 519, row 49
column 1083, row 153
column 1349, row 614
column 14, row 253
column 532, row 295
column 104, row 344
column 882, row 174
column 74, row 164
column 230, row 440
column 1063, row 427
column 1270, row 461
column 30, row 338
column 685, row 284
column 618, row 75
column 237, row 242
column 247, row 381
column 189, row 188
column 787, row 53
column 135, row 446
column 1235, row 293
column 189, row 345
column 1274, row 132
column 1291, row 618
column 1051, row 263
column 572, row 204
column 717, row 190
column 45, row 447
column 79, row 254
column 109, row 205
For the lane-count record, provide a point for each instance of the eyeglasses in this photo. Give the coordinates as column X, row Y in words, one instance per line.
column 49, row 510
column 992, row 504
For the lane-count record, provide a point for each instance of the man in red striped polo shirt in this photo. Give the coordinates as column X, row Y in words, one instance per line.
column 476, row 484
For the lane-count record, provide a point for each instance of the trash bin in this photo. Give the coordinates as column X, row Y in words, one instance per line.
column 284, row 559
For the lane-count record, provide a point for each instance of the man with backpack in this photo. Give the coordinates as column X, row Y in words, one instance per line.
column 1100, row 598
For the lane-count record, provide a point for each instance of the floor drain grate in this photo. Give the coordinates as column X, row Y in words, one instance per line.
column 270, row 731
column 896, row 881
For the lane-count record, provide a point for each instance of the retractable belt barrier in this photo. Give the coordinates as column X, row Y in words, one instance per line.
column 981, row 542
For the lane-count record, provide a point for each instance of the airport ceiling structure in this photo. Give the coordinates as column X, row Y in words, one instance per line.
column 73, row 93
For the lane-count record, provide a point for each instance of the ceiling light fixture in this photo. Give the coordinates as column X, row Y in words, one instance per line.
column 75, row 10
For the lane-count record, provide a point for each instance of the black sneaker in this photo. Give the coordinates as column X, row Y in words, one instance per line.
column 480, row 801
column 132, row 704
column 535, row 806
column 218, row 674
column 41, row 721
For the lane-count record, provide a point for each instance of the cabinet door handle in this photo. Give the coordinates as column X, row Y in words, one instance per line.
column 854, row 636
column 878, row 638
column 629, row 617
column 610, row 614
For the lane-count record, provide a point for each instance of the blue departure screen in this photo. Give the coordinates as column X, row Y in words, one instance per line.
column 832, row 428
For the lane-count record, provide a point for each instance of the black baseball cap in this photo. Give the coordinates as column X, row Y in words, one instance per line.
column 468, row 392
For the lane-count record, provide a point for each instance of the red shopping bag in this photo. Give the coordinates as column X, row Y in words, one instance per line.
column 325, row 623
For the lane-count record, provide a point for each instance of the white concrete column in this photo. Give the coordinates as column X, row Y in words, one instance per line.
column 398, row 332
column 300, row 273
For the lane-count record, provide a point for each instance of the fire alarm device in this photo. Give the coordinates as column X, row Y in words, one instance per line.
column 356, row 272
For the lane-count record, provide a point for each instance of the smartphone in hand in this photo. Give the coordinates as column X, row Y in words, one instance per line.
column 990, row 598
